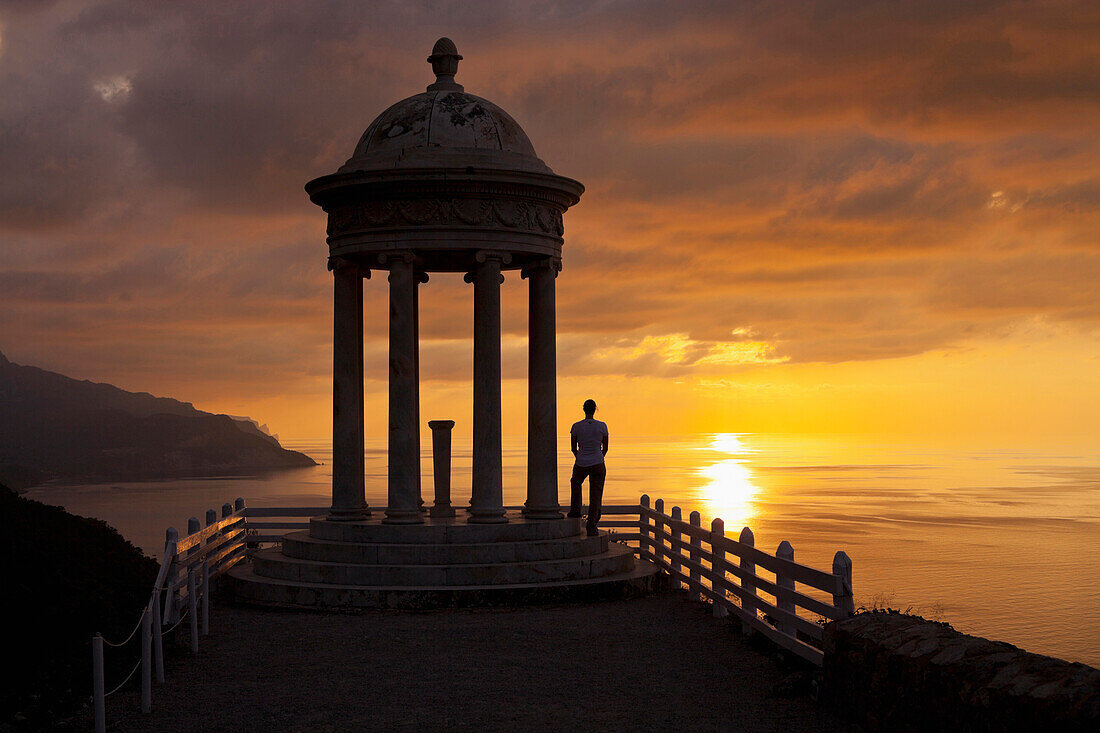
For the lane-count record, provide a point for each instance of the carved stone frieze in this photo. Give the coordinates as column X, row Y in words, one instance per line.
column 504, row 214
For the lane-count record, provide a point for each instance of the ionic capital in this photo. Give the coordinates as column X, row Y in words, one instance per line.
column 484, row 255
column 339, row 263
column 471, row 277
column 550, row 263
column 401, row 255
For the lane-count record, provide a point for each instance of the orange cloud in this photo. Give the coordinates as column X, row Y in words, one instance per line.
column 770, row 188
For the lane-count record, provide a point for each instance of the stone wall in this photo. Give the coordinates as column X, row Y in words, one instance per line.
column 890, row 671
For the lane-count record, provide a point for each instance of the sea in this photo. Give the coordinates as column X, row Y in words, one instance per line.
column 999, row 542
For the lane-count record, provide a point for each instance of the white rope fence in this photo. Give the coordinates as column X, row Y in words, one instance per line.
column 128, row 638
column 121, row 684
column 200, row 557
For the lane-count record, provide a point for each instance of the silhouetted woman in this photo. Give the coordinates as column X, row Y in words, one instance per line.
column 588, row 441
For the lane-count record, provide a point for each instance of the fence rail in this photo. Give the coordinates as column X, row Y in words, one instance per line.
column 694, row 556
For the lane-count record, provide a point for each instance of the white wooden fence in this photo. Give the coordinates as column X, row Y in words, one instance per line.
column 700, row 558
column 727, row 572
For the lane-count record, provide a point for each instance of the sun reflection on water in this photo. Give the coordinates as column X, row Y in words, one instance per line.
column 729, row 490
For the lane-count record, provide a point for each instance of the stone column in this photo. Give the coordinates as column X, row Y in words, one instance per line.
column 348, row 497
column 487, row 502
column 542, row 393
column 404, row 459
column 421, row 277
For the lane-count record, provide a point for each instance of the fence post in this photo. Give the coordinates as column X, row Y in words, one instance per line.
column 211, row 518
column 696, row 545
column 843, row 600
column 146, row 660
column 658, row 529
column 718, row 567
column 677, row 541
column 192, row 608
column 193, row 526
column 227, row 511
column 97, row 683
column 205, row 599
column 643, row 524
column 158, row 643
column 785, row 583
column 748, row 568
column 171, row 536
column 238, row 508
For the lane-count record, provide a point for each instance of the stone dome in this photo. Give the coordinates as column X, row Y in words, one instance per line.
column 445, row 177
column 444, row 126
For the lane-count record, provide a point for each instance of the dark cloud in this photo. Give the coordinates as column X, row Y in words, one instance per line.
column 835, row 180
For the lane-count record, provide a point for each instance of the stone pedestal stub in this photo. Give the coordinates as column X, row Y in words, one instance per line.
column 441, row 467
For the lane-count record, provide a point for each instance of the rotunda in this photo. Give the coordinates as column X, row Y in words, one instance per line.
column 442, row 181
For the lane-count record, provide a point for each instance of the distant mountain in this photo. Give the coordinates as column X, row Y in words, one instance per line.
column 56, row 427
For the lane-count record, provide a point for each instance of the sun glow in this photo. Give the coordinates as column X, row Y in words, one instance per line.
column 730, row 490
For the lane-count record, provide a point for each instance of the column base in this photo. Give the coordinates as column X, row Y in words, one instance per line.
column 487, row 516
column 346, row 515
column 543, row 513
column 441, row 510
column 403, row 516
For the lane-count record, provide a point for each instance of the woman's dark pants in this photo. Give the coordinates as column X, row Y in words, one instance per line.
column 596, row 476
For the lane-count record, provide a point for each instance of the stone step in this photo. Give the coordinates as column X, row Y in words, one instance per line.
column 302, row 546
column 272, row 563
column 455, row 530
column 244, row 586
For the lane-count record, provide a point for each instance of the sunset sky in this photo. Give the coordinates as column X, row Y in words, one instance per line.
column 878, row 218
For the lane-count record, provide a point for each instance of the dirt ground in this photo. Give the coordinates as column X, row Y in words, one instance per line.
column 657, row 663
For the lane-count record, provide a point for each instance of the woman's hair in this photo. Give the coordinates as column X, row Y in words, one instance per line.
column 589, row 406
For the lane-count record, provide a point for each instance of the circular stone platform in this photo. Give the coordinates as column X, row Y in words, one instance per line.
column 445, row 562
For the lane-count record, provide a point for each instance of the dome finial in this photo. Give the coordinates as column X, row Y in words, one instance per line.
column 444, row 61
